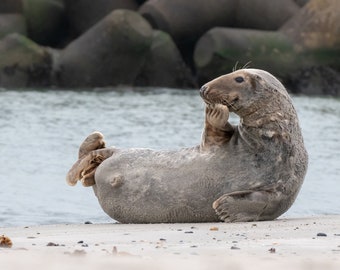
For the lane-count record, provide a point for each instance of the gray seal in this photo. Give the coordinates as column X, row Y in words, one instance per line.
column 248, row 172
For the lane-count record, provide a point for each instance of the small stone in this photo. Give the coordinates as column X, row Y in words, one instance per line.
column 272, row 250
column 84, row 245
column 234, row 247
column 213, row 229
column 188, row 232
column 51, row 244
column 321, row 234
column 80, row 242
column 88, row 222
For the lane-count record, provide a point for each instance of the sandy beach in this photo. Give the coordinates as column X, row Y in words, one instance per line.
column 301, row 243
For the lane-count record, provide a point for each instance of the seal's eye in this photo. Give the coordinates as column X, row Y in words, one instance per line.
column 239, row 79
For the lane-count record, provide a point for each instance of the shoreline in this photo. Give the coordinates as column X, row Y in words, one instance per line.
column 286, row 242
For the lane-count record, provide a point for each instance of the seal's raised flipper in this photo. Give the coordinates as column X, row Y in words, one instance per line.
column 91, row 154
column 85, row 168
column 92, row 142
column 217, row 130
column 242, row 206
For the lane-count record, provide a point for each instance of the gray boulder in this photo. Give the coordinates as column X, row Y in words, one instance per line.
column 164, row 65
column 45, row 21
column 315, row 32
column 222, row 49
column 264, row 14
column 12, row 23
column 187, row 20
column 83, row 14
column 23, row 63
column 112, row 52
column 10, row 6
column 316, row 26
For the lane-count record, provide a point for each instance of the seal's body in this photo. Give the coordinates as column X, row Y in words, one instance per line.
column 252, row 171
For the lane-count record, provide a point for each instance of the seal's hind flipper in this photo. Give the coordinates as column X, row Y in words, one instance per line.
column 85, row 168
column 92, row 142
column 242, row 206
column 91, row 153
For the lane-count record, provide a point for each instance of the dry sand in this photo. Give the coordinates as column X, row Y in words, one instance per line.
column 280, row 244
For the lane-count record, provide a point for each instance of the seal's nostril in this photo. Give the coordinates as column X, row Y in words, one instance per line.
column 203, row 89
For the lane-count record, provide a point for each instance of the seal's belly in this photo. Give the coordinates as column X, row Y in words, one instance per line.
column 141, row 185
column 155, row 186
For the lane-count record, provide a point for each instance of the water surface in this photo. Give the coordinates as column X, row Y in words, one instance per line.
column 41, row 133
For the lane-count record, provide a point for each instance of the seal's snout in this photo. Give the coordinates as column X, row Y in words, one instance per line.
column 204, row 90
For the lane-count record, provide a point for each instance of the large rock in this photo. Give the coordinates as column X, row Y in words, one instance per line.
column 301, row 3
column 12, row 23
column 222, row 49
column 140, row 2
column 83, row 14
column 315, row 80
column 164, row 65
column 45, row 20
column 264, row 14
column 315, row 32
column 187, row 20
column 316, row 26
column 23, row 63
column 112, row 52
column 10, row 6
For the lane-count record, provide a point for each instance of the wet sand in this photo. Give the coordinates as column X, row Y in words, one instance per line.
column 301, row 243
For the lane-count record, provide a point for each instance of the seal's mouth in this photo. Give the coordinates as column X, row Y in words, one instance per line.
column 211, row 97
column 231, row 104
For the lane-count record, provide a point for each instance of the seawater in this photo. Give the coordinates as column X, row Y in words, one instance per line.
column 40, row 132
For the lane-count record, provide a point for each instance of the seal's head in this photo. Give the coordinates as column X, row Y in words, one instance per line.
column 243, row 91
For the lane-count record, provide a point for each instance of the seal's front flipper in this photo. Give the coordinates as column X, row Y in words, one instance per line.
column 242, row 206
column 217, row 130
column 85, row 168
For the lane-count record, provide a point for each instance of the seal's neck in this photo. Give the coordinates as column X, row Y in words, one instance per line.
column 262, row 117
column 275, row 123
